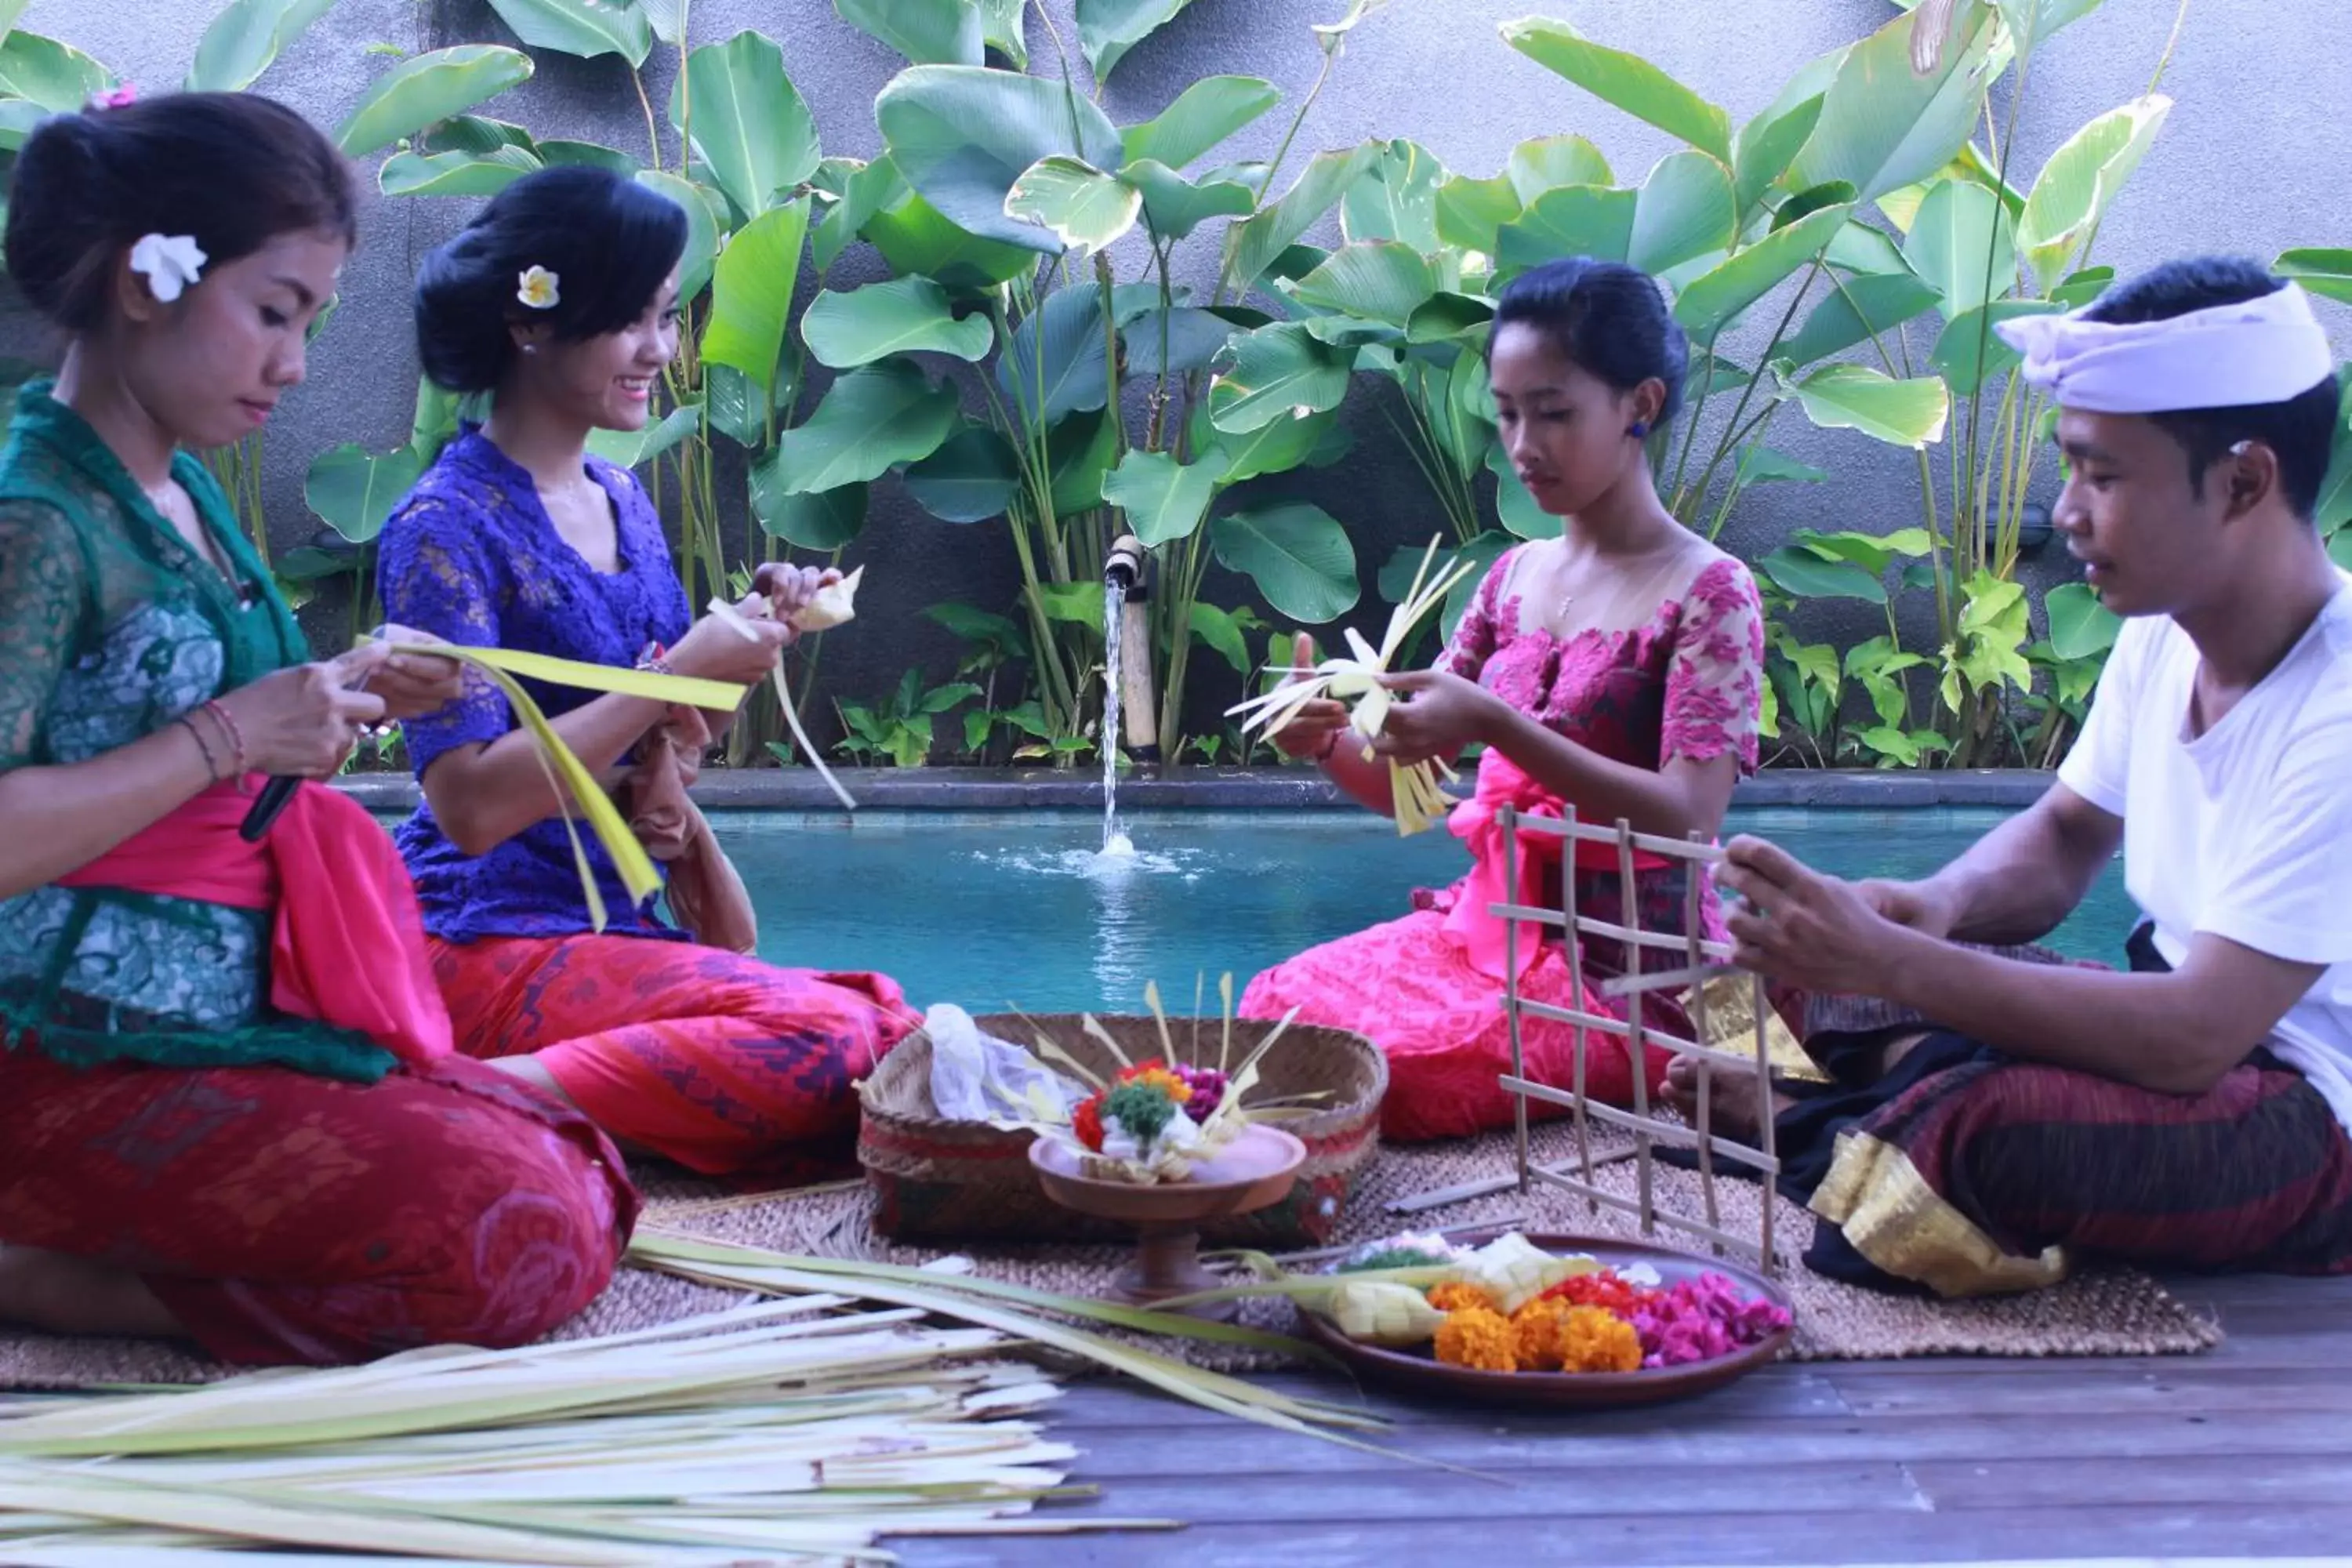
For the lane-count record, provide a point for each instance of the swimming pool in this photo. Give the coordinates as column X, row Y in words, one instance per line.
column 989, row 907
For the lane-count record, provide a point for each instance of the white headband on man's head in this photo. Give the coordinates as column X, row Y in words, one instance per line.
column 2227, row 356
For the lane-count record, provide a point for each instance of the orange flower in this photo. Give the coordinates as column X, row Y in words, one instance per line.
column 1594, row 1339
column 1480, row 1338
column 1160, row 1078
column 1538, row 1328
column 1456, row 1294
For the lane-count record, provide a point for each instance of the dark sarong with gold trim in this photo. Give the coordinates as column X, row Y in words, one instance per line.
column 1964, row 1172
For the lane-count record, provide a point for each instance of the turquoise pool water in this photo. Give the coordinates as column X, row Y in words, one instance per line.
column 987, row 908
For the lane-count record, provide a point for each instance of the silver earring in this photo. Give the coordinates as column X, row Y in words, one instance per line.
column 530, row 348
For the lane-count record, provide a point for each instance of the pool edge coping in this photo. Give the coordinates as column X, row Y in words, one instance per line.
column 1234, row 789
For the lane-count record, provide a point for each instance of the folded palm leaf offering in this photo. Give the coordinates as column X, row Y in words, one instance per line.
column 1420, row 804
column 834, row 605
column 1154, row 1120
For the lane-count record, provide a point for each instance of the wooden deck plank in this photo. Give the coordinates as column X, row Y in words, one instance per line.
column 2246, row 1452
column 2046, row 1534
column 1604, row 1443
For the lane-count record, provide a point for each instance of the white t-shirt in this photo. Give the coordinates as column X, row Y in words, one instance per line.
column 2246, row 831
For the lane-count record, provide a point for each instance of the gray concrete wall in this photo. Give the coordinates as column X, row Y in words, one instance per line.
column 2257, row 157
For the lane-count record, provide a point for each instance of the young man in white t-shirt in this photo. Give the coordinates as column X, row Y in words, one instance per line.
column 1994, row 1111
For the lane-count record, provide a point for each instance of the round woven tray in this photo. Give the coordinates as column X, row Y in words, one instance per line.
column 941, row 1180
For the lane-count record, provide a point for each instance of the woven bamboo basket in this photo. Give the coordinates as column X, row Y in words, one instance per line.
column 957, row 1182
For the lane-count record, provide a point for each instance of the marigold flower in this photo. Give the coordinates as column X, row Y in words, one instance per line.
column 1479, row 1338
column 1457, row 1294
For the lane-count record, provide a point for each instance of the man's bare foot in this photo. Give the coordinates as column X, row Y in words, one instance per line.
column 1732, row 1097
column 61, row 1294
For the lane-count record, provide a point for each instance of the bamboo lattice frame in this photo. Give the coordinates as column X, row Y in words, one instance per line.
column 1701, row 961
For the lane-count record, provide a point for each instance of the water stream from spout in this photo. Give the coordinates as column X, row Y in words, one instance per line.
column 1116, row 845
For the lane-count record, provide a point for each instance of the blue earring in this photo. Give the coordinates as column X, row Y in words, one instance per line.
column 1639, row 429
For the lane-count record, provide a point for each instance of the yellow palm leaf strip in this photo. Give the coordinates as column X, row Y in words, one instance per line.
column 727, row 612
column 628, row 856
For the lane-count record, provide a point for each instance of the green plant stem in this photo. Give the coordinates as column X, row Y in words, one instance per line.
column 653, row 125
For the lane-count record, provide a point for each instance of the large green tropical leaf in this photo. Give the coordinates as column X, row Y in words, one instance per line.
column 1969, row 353
column 1203, row 115
column 971, row 478
column 1577, row 220
column 1802, row 574
column 1884, row 124
column 917, row 240
column 1108, row 28
column 244, row 38
column 1856, row 309
column 1515, row 507
column 1058, row 363
column 1396, row 199
column 2080, row 181
column 2080, row 627
column 667, row 18
column 1280, row 372
column 455, row 173
column 752, row 294
column 753, row 132
column 1627, row 81
column 2031, row 22
column 905, row 315
column 427, row 87
column 1079, row 453
column 1714, row 298
column 1276, row 446
column 1760, row 465
column 354, row 490
column 962, row 135
column 928, row 32
column 1176, row 341
column 2334, row 512
column 813, row 519
column 1768, row 144
column 582, row 27
column 871, row 420
column 1471, row 213
column 57, row 77
column 1547, row 163
column 1004, row 27
column 702, row 228
column 2327, row 272
column 1686, row 209
column 1375, row 281
column 635, row 448
column 1084, row 208
column 1854, row 397
column 1297, row 555
column 1173, row 206
column 1223, row 632
column 1164, row 499
column 1963, row 241
column 1253, row 247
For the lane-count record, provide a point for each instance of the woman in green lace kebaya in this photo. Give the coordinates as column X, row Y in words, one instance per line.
column 228, row 1106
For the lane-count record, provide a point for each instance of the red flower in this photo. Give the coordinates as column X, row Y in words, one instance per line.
column 1087, row 1122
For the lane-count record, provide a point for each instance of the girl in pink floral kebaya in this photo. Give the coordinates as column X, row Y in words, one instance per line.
column 1617, row 669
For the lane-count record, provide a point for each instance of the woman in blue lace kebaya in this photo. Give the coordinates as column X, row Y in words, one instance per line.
column 560, row 300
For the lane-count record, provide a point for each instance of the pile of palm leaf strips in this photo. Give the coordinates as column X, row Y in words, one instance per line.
column 862, row 1401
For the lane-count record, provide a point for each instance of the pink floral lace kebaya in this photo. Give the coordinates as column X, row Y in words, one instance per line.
column 1687, row 682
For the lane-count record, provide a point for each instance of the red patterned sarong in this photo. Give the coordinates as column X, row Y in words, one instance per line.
column 285, row 1217
column 724, row 1064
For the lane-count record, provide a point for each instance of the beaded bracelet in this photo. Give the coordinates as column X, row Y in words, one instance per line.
column 221, row 716
column 211, row 765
